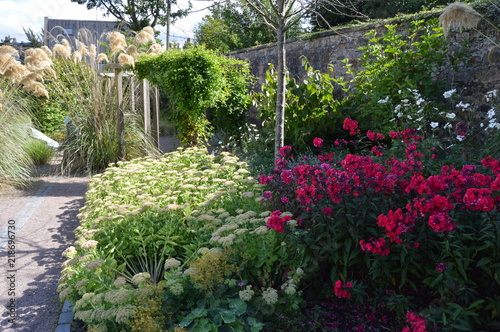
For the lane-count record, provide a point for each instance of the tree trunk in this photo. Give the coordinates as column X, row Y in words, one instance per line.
column 280, row 93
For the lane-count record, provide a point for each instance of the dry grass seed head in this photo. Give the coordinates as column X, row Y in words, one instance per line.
column 132, row 51
column 82, row 48
column 77, row 56
column 117, row 42
column 15, row 72
column 156, row 49
column 47, row 50
column 143, row 37
column 460, row 15
column 126, row 60
column 102, row 57
column 61, row 50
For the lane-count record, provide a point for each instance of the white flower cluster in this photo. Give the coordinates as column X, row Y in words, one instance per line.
column 172, row 264
column 247, row 293
column 270, row 296
column 175, row 287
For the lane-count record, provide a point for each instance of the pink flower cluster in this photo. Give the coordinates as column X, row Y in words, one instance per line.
column 351, row 125
column 416, row 322
column 340, row 289
column 428, row 199
column 277, row 222
column 376, row 246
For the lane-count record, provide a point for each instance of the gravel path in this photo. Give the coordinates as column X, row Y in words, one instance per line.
column 41, row 223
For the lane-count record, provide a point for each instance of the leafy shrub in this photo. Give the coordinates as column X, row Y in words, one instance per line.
column 395, row 63
column 388, row 230
column 311, row 109
column 195, row 80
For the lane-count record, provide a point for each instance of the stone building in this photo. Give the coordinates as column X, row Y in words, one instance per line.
column 84, row 30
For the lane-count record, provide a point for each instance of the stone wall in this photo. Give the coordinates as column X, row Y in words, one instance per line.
column 477, row 74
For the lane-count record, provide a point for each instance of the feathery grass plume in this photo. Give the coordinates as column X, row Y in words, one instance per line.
column 6, row 49
column 31, row 77
column 77, row 56
column 15, row 164
column 102, row 57
column 132, row 51
column 126, row 60
column 37, row 59
column 47, row 50
column 82, row 48
column 155, row 49
column 92, row 51
column 144, row 37
column 61, row 50
column 15, row 72
column 149, row 30
column 117, row 42
column 66, row 44
column 7, row 54
column 459, row 15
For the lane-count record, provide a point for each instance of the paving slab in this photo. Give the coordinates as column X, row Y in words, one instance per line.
column 40, row 230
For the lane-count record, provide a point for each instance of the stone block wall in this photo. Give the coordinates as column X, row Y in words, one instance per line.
column 477, row 74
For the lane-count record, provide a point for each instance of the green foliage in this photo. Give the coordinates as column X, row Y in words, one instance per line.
column 311, row 109
column 331, row 14
column 230, row 115
column 15, row 164
column 232, row 26
column 393, row 63
column 49, row 116
column 197, row 79
column 39, row 151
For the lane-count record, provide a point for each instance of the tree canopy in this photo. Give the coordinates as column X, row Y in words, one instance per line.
column 232, row 26
column 136, row 14
column 327, row 15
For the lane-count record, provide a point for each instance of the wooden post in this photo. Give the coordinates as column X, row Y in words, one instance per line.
column 146, row 106
column 156, row 117
column 119, row 112
column 132, row 94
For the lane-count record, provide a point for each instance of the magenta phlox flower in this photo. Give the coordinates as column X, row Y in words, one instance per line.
column 318, row 142
column 340, row 289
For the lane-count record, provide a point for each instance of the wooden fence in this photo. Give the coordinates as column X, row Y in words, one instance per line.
column 148, row 103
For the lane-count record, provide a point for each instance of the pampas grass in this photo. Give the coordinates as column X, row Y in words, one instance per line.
column 15, row 164
column 459, row 15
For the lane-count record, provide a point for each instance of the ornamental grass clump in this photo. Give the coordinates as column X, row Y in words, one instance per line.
column 89, row 100
column 393, row 231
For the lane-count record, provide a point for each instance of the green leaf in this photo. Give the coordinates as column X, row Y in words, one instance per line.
column 228, row 316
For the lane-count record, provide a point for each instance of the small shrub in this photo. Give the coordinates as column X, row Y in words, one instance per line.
column 393, row 66
column 39, row 152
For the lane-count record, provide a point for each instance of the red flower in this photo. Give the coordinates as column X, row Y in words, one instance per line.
column 417, row 322
column 479, row 199
column 276, row 222
column 440, row 267
column 263, row 179
column 285, row 150
column 327, row 211
column 376, row 246
column 374, row 136
column 318, row 142
column 351, row 125
column 287, row 176
column 441, row 222
column 340, row 289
